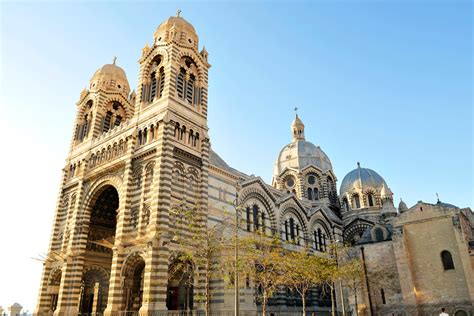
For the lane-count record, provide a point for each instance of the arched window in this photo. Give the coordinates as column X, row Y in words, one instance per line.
column 370, row 199
column 180, row 82
column 447, row 260
column 312, row 190
column 378, row 235
column 106, row 121
column 190, row 89
column 186, row 87
column 292, row 229
column 356, row 201
column 161, row 82
column 345, row 204
column 153, row 87
column 113, row 117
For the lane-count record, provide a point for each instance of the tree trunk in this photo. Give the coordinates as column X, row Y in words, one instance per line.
column 208, row 290
column 303, row 299
column 333, row 309
column 355, row 297
column 264, row 303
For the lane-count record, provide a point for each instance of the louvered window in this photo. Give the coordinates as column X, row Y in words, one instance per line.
column 180, row 83
column 161, row 84
column 190, row 89
column 84, row 128
column 106, row 122
column 118, row 120
column 153, row 86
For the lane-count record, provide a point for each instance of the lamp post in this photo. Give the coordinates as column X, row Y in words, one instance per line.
column 236, row 253
column 343, row 305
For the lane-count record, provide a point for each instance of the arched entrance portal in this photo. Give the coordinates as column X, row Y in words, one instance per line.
column 133, row 283
column 179, row 295
column 53, row 289
column 98, row 256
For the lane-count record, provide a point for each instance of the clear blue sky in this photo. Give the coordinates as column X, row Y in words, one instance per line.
column 386, row 83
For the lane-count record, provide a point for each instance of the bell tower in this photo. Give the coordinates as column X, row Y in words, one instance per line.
column 134, row 157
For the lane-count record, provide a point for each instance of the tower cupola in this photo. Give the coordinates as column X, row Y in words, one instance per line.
column 110, row 77
column 177, row 29
column 297, row 129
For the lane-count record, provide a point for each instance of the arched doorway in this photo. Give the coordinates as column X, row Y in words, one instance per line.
column 94, row 290
column 53, row 289
column 98, row 256
column 133, row 283
column 179, row 294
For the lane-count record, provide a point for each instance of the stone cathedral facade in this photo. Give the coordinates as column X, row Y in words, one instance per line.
column 136, row 155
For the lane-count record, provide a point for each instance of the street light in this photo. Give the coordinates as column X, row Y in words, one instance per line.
column 340, row 282
column 236, row 252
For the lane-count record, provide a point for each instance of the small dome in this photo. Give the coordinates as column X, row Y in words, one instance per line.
column 177, row 29
column 367, row 178
column 110, row 77
column 300, row 154
column 402, row 206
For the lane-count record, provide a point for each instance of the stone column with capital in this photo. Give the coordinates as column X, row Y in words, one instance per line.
column 115, row 295
column 155, row 280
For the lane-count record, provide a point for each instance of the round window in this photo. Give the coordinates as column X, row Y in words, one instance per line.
column 311, row 180
column 290, row 182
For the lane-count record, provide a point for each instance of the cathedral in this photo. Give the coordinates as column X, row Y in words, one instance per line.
column 134, row 155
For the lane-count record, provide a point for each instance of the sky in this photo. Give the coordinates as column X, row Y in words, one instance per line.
column 386, row 83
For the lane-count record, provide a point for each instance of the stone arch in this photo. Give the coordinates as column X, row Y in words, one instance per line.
column 96, row 186
column 132, row 274
column 254, row 193
column 83, row 108
column 355, row 231
column 197, row 61
column 151, row 55
column 181, row 273
column 291, row 209
column 123, row 102
column 94, row 289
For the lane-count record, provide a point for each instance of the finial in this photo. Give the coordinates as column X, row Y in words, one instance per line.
column 296, row 111
column 437, row 197
column 358, row 165
column 178, row 13
column 114, row 60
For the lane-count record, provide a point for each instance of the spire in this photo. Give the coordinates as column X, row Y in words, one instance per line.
column 360, row 177
column 114, row 60
column 297, row 128
column 178, row 13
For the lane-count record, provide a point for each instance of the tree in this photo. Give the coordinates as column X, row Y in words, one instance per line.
column 199, row 246
column 260, row 258
column 349, row 270
column 303, row 271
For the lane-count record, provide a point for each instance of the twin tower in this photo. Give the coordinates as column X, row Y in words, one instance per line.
column 132, row 156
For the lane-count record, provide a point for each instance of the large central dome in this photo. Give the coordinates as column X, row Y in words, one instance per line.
column 300, row 153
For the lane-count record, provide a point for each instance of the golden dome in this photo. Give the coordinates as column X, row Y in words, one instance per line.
column 110, row 77
column 177, row 29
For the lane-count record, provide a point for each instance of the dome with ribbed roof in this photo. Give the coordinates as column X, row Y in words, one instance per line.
column 300, row 153
column 110, row 77
column 177, row 29
column 363, row 179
